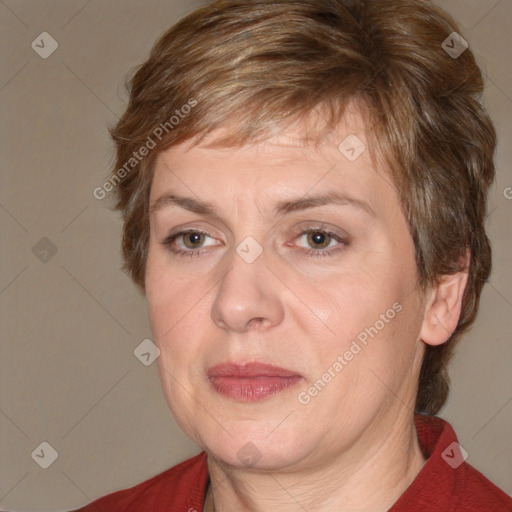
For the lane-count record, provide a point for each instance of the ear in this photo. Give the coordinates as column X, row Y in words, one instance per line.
column 444, row 306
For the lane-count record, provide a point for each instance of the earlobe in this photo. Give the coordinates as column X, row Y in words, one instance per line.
column 444, row 306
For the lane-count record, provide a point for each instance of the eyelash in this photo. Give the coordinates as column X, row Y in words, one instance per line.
column 311, row 253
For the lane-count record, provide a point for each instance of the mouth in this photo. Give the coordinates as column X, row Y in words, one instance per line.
column 251, row 382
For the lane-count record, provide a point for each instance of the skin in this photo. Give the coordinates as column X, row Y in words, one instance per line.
column 353, row 446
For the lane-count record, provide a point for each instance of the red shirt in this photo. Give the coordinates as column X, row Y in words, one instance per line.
column 445, row 483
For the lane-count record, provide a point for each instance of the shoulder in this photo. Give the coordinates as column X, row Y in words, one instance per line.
column 447, row 482
column 478, row 494
column 180, row 486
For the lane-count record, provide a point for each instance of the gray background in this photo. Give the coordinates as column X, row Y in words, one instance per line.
column 70, row 325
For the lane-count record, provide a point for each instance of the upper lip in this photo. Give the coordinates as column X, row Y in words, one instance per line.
column 253, row 369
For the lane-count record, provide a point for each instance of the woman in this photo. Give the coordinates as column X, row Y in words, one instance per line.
column 261, row 137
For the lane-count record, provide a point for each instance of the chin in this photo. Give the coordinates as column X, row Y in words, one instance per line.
column 253, row 450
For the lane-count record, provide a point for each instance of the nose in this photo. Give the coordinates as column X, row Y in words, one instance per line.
column 248, row 296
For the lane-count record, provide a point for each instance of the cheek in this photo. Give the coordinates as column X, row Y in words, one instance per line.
column 354, row 300
column 372, row 320
column 169, row 297
column 178, row 310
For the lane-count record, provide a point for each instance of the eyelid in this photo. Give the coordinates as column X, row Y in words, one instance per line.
column 342, row 239
column 169, row 239
column 334, row 232
column 321, row 226
column 298, row 230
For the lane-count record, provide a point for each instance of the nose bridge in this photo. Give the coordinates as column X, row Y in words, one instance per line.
column 247, row 291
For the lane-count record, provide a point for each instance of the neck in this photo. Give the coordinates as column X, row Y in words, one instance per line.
column 369, row 477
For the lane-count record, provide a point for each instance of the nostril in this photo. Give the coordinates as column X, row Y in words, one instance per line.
column 257, row 321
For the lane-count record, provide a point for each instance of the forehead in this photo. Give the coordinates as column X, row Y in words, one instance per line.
column 280, row 166
column 307, row 133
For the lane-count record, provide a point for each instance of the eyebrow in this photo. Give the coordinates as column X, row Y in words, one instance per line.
column 282, row 208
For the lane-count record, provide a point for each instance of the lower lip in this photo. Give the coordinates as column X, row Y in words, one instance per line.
column 252, row 389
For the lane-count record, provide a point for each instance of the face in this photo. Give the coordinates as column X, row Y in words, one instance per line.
column 323, row 290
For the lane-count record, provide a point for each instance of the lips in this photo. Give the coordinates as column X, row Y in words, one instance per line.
column 251, row 382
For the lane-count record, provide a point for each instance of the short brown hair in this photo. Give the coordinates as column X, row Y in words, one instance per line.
column 262, row 62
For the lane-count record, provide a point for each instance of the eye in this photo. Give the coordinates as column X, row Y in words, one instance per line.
column 322, row 239
column 192, row 240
